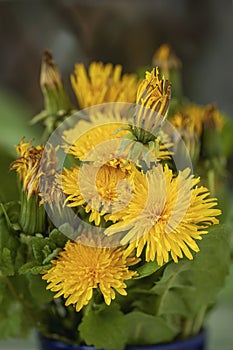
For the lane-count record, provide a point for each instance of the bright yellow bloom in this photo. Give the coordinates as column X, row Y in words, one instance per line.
column 154, row 93
column 101, row 141
column 80, row 142
column 79, row 269
column 153, row 96
column 166, row 215
column 103, row 83
column 100, row 190
column 193, row 118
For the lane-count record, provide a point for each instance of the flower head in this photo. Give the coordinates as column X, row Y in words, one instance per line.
column 36, row 167
column 79, row 269
column 99, row 190
column 166, row 59
column 102, row 83
column 166, row 215
column 28, row 165
column 153, row 96
column 194, row 118
column 55, row 96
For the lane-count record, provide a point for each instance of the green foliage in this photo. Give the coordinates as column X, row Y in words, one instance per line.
column 162, row 303
column 147, row 269
column 226, row 138
column 144, row 329
column 42, row 250
column 22, row 290
column 37, row 288
column 104, row 327
column 190, row 286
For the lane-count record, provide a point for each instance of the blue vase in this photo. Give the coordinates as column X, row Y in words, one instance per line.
column 195, row 343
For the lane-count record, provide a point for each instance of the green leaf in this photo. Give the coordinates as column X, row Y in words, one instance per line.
column 104, row 327
column 51, row 255
column 58, row 238
column 38, row 245
column 37, row 269
column 37, row 288
column 189, row 286
column 6, row 265
column 171, row 288
column 209, row 268
column 147, row 269
column 33, row 267
column 27, row 267
column 146, row 329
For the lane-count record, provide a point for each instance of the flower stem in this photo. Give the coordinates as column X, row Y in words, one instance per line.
column 32, row 214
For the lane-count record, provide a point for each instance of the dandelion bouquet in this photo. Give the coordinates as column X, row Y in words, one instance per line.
column 116, row 239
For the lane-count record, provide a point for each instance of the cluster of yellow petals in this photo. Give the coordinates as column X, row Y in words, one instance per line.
column 156, row 212
column 36, row 168
column 194, row 118
column 154, row 93
column 79, row 269
column 166, row 215
column 103, row 83
column 27, row 165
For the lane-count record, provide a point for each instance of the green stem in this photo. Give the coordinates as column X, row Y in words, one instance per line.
column 211, row 181
column 32, row 214
column 197, row 325
column 187, row 329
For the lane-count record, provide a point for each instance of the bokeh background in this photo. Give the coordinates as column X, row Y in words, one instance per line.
column 119, row 31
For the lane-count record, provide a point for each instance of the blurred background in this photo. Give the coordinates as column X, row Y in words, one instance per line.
column 126, row 32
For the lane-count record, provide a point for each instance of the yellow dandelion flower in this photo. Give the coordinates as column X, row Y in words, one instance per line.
column 165, row 215
column 193, row 118
column 79, row 269
column 100, row 141
column 154, row 93
column 80, row 144
column 153, row 96
column 103, row 83
column 100, row 190
column 27, row 165
column 36, row 167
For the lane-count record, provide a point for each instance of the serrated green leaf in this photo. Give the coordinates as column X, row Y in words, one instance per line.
column 51, row 255
column 6, row 263
column 37, row 269
column 33, row 267
column 104, row 328
column 38, row 245
column 27, row 267
column 58, row 238
column 146, row 329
